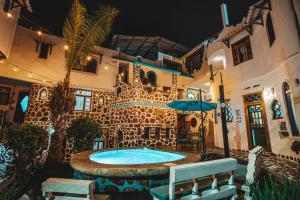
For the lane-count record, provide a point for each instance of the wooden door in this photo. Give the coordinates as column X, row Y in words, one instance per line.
column 256, row 120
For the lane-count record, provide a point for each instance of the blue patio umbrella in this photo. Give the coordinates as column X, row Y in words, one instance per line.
column 192, row 105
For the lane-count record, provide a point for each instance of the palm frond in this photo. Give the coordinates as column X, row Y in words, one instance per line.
column 83, row 31
column 72, row 28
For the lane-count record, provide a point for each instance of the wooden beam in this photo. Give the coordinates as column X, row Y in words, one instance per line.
column 140, row 47
column 116, row 42
column 150, row 49
column 249, row 30
column 226, row 42
column 174, row 45
column 128, row 45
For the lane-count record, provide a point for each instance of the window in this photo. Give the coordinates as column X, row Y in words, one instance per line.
column 169, row 64
column 194, row 61
column 228, row 111
column 241, row 51
column 152, row 78
column 270, row 30
column 151, row 132
column 276, row 108
column 83, row 100
column 101, row 101
column 118, row 91
column 288, row 98
column 43, row 49
column 4, row 95
column 91, row 66
column 43, row 94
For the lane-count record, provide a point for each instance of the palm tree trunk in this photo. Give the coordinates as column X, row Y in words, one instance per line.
column 56, row 150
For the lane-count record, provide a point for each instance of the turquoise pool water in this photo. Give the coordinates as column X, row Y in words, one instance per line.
column 134, row 156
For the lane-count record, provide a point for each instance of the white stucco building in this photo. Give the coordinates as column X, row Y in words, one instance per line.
column 259, row 60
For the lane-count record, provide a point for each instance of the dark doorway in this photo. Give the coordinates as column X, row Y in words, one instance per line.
column 22, row 103
column 124, row 72
column 287, row 95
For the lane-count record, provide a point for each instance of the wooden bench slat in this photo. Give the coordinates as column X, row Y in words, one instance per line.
column 70, row 198
column 207, row 168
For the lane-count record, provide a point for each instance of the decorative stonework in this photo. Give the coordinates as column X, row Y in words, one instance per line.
column 123, row 113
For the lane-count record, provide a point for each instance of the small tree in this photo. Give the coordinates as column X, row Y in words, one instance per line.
column 82, row 31
column 84, row 131
column 27, row 142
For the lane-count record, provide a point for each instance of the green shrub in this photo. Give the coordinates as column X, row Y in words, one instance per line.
column 27, row 141
column 270, row 189
column 84, row 131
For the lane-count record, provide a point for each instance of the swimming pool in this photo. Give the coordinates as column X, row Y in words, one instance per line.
column 134, row 156
column 125, row 170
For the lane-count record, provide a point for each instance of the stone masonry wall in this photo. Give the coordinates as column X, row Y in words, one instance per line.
column 124, row 114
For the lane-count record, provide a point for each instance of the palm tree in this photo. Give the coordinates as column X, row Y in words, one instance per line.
column 82, row 32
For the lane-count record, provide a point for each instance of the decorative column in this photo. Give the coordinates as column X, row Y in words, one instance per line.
column 173, row 94
column 137, row 85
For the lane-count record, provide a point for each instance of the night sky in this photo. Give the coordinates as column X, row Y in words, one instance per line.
column 188, row 22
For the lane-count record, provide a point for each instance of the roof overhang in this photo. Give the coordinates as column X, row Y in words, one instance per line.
column 11, row 4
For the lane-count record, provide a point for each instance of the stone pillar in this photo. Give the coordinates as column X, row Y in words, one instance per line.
column 174, row 86
column 136, row 74
column 137, row 82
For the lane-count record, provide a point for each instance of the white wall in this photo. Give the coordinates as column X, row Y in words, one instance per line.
column 269, row 68
column 7, row 28
column 25, row 58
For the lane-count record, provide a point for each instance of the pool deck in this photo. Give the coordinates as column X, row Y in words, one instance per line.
column 81, row 162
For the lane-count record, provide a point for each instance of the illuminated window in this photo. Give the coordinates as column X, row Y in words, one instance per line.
column 276, row 108
column 43, row 94
column 101, row 101
column 83, row 100
column 24, row 103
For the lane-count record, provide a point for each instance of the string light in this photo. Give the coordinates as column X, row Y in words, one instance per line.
column 106, row 67
column 66, row 47
column 30, row 73
column 9, row 15
column 1, row 61
column 39, row 33
column 122, row 74
column 89, row 58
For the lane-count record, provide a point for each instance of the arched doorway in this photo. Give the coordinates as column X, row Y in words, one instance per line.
column 289, row 105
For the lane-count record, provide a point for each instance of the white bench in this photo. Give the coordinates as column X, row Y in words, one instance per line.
column 188, row 172
column 67, row 189
column 253, row 169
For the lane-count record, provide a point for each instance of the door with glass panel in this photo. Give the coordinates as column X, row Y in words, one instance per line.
column 257, row 128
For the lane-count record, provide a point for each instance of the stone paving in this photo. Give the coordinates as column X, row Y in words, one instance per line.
column 277, row 166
